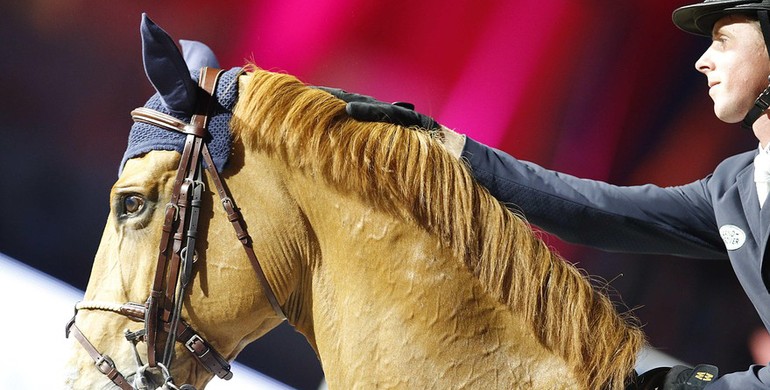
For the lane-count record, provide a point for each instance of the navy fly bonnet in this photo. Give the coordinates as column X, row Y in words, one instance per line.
column 174, row 76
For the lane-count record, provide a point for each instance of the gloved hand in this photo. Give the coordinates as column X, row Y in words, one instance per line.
column 368, row 109
column 675, row 378
column 686, row 378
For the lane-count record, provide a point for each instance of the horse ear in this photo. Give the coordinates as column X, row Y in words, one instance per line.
column 166, row 69
column 197, row 55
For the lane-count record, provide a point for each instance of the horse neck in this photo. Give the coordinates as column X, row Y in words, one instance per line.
column 367, row 271
column 389, row 302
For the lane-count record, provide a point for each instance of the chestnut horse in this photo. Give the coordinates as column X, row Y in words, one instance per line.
column 374, row 243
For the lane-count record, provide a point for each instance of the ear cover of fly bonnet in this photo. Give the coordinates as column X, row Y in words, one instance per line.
column 174, row 76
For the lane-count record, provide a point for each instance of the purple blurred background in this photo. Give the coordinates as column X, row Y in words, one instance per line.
column 602, row 89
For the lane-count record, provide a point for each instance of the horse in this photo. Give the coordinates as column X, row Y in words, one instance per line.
column 370, row 239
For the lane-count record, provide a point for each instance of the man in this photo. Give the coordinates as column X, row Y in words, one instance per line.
column 720, row 216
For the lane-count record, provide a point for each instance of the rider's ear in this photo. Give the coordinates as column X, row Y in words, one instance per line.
column 166, row 68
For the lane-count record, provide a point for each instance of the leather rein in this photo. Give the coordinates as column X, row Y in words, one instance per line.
column 176, row 255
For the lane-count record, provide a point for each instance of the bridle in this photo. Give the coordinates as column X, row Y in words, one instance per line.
column 176, row 255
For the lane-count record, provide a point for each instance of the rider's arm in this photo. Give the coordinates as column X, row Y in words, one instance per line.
column 642, row 219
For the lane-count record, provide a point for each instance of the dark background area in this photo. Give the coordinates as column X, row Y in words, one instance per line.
column 598, row 89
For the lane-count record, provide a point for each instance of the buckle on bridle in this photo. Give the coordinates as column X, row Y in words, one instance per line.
column 176, row 209
column 99, row 363
column 193, row 340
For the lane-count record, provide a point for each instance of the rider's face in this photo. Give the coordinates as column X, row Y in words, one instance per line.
column 736, row 66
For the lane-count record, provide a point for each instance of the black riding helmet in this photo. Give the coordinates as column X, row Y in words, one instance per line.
column 700, row 18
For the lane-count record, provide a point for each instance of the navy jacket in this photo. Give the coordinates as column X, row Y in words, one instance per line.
column 717, row 217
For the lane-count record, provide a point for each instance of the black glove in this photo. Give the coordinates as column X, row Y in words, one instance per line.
column 686, row 378
column 368, row 109
column 650, row 380
column 675, row 378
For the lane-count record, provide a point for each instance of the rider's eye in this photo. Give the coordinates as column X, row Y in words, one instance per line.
column 132, row 204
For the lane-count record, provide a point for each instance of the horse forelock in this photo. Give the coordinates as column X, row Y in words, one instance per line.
column 410, row 174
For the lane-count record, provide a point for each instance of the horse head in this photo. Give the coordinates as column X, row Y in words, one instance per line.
column 133, row 293
column 369, row 238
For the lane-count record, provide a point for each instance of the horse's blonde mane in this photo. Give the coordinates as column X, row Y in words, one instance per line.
column 408, row 173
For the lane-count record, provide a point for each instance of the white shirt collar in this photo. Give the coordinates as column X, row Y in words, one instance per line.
column 765, row 150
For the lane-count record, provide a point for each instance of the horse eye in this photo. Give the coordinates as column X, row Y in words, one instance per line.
column 132, row 204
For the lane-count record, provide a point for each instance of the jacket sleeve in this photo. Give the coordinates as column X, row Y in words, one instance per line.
column 755, row 378
column 640, row 219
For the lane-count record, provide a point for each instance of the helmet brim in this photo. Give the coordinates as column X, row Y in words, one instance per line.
column 700, row 18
